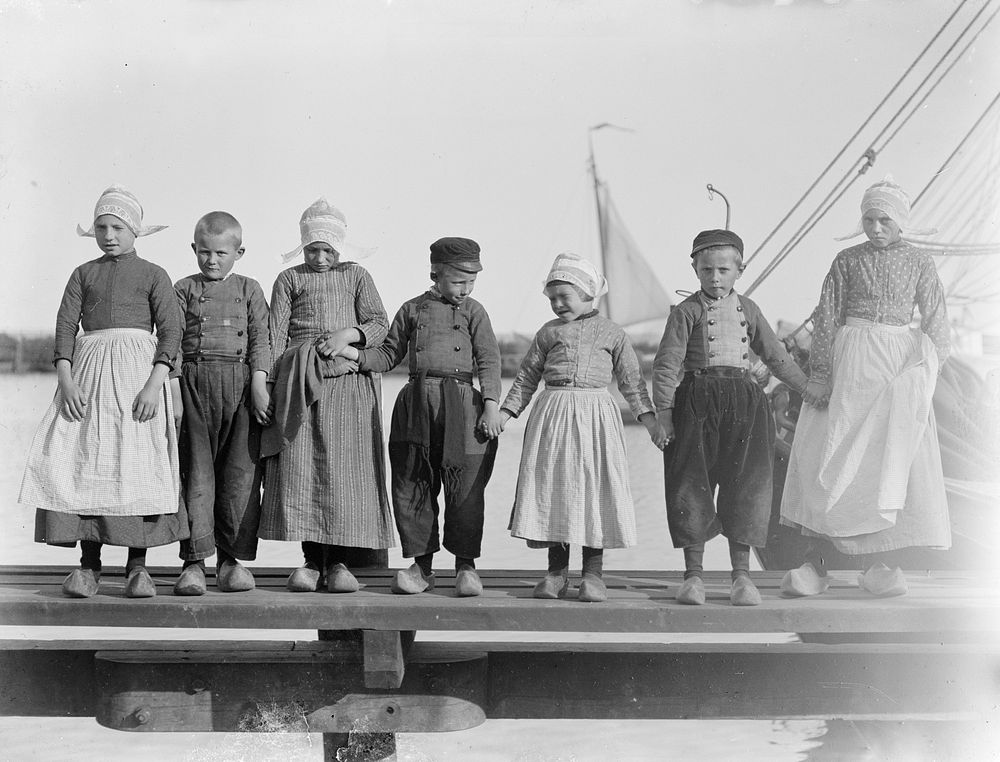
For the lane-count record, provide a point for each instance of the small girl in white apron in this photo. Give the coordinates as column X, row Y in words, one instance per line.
column 573, row 483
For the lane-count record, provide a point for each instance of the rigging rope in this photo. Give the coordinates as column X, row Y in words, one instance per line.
column 854, row 137
column 869, row 156
column 961, row 145
column 944, row 73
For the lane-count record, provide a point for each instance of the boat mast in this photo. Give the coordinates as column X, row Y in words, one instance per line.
column 601, row 232
column 601, row 236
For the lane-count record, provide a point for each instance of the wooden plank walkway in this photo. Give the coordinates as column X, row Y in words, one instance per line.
column 932, row 654
column 639, row 602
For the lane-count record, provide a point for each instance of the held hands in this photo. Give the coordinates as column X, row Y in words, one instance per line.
column 504, row 416
column 492, row 421
column 816, row 394
column 351, row 353
column 335, row 343
column 661, row 429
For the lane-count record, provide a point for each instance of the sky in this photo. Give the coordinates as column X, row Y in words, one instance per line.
column 423, row 119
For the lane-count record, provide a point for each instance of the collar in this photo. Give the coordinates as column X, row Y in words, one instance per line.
column 592, row 313
column 206, row 280
column 126, row 257
column 894, row 246
column 436, row 294
column 711, row 299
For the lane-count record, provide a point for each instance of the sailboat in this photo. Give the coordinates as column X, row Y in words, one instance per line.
column 635, row 294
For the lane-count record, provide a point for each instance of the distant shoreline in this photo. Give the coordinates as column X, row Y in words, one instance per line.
column 32, row 353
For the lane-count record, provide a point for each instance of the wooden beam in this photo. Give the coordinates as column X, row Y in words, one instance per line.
column 260, row 686
column 40, row 681
column 752, row 681
column 393, row 713
column 253, row 689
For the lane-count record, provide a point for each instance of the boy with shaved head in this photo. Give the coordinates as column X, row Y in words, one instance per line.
column 226, row 355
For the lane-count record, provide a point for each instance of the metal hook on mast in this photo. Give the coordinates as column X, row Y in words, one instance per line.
column 713, row 190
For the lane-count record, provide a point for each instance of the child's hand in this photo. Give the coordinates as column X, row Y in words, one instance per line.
column 147, row 402
column 816, row 394
column 661, row 432
column 74, row 405
column 333, row 344
column 351, row 353
column 260, row 399
column 490, row 421
column 178, row 401
column 270, row 401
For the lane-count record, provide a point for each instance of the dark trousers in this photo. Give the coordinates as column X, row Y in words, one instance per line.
column 418, row 476
column 723, row 438
column 218, row 444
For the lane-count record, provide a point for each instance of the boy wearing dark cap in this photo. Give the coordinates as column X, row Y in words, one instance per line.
column 443, row 430
column 716, row 429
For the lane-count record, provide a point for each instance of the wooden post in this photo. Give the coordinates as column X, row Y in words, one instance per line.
column 365, row 747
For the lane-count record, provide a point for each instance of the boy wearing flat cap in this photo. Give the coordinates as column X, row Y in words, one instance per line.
column 716, row 429
column 443, row 431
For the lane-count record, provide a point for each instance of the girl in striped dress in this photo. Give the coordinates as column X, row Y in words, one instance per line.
column 324, row 477
column 573, row 484
column 102, row 469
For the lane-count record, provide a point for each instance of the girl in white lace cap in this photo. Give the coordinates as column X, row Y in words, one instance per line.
column 865, row 472
column 324, row 478
column 573, row 483
column 103, row 469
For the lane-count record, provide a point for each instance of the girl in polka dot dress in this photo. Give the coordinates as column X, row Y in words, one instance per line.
column 865, row 472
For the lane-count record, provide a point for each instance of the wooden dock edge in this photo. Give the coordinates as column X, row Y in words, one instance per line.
column 230, row 686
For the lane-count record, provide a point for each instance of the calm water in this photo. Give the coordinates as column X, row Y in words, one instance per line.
column 24, row 399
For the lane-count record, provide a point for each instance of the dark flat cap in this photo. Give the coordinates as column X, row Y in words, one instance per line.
column 461, row 253
column 707, row 238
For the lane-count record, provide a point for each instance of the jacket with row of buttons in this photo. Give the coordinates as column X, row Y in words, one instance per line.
column 440, row 336
column 703, row 332
column 224, row 320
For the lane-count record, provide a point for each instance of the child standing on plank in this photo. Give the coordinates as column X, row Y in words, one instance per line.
column 573, row 483
column 324, row 479
column 102, row 469
column 443, row 430
column 866, row 472
column 223, row 382
column 715, row 425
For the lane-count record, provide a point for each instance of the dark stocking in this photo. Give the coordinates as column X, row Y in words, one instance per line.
column 558, row 559
column 90, row 555
column 693, row 556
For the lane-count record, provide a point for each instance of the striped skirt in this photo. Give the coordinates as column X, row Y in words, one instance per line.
column 866, row 471
column 106, row 478
column 573, row 483
column 328, row 485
